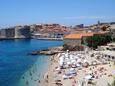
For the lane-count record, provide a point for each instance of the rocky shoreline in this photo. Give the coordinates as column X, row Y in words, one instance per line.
column 49, row 51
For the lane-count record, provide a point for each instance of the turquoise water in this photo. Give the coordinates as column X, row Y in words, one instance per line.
column 35, row 74
column 16, row 66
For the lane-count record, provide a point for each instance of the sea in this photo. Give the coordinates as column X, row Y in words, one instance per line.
column 18, row 67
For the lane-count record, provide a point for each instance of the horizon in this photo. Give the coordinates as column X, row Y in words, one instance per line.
column 66, row 12
column 51, row 23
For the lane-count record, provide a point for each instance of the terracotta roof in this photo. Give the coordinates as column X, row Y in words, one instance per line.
column 78, row 35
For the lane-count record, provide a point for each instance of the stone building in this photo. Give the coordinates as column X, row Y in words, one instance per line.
column 10, row 33
column 76, row 39
column 2, row 33
column 78, row 26
column 15, row 32
column 7, row 33
column 22, row 32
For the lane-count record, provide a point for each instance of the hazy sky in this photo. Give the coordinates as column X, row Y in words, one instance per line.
column 67, row 12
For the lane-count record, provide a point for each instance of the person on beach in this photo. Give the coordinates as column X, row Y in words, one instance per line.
column 47, row 76
column 27, row 83
column 39, row 81
column 46, row 80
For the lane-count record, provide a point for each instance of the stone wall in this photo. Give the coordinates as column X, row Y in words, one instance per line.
column 22, row 32
column 16, row 32
column 2, row 33
column 10, row 33
column 72, row 42
column 7, row 33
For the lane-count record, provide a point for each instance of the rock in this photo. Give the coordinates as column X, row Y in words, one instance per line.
column 50, row 51
column 34, row 53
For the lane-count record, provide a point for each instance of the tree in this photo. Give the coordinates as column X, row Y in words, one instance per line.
column 97, row 40
column 113, row 39
column 104, row 28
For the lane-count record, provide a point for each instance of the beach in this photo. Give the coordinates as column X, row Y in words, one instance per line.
column 98, row 72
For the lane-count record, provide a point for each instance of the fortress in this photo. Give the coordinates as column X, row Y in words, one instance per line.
column 15, row 32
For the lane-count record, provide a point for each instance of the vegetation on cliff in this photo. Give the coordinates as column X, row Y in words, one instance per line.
column 96, row 41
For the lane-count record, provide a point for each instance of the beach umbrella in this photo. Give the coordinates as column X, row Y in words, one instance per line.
column 61, row 58
column 79, row 60
column 79, row 54
column 66, row 55
column 94, row 62
column 65, row 77
column 63, row 53
column 85, row 60
column 73, row 61
column 66, row 59
column 71, row 58
column 68, row 73
column 57, row 78
column 78, row 65
column 76, row 57
column 72, row 69
column 82, row 56
column 68, row 62
column 72, row 72
column 58, row 55
column 61, row 63
column 57, row 69
column 88, row 77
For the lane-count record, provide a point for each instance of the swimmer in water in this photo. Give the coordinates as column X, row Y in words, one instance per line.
column 30, row 73
column 23, row 77
column 27, row 83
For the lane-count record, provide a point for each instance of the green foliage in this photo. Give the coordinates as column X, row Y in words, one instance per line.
column 104, row 28
column 113, row 39
column 96, row 41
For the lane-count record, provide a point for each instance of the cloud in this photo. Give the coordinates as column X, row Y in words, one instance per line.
column 90, row 17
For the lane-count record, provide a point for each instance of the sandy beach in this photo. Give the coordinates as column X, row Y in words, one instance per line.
column 98, row 72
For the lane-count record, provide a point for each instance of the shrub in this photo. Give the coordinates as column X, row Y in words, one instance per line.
column 96, row 41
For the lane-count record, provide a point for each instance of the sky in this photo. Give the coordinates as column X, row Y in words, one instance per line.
column 65, row 12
